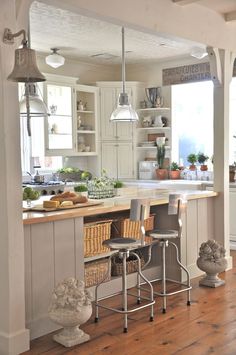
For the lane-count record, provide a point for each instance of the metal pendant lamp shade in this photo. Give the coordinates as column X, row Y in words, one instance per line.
column 55, row 60
column 25, row 68
column 124, row 111
column 32, row 99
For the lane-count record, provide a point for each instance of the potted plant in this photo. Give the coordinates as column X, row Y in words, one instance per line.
column 202, row 158
column 192, row 159
column 174, row 172
column 161, row 172
column 118, row 185
column 81, row 189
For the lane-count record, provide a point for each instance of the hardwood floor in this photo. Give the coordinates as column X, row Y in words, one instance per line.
column 207, row 327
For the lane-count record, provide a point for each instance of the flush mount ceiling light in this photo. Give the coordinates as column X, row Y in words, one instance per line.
column 198, row 52
column 55, row 60
column 25, row 68
column 124, row 111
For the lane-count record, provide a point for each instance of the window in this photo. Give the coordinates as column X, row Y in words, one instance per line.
column 33, row 147
column 192, row 120
column 232, row 122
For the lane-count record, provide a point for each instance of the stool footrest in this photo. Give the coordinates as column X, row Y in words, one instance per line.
column 128, row 311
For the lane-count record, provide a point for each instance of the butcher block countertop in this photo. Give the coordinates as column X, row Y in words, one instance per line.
column 115, row 204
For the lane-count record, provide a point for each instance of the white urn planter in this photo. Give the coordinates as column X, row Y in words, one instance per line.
column 70, row 307
column 212, row 261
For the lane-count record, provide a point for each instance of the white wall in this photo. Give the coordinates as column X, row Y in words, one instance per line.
column 87, row 73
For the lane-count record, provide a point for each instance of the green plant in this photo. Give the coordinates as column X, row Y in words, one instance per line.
column 160, row 155
column 118, row 184
column 68, row 170
column 202, row 158
column 174, row 166
column 81, row 188
column 30, row 194
column 192, row 158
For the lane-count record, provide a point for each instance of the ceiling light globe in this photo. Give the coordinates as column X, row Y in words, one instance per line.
column 55, row 60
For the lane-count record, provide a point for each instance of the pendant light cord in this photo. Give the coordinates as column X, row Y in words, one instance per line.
column 123, row 58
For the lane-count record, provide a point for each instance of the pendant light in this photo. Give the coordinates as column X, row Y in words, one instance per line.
column 25, row 68
column 124, row 111
column 55, row 60
column 32, row 104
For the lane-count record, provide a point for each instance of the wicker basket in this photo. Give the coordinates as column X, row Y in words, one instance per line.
column 95, row 271
column 94, row 234
column 131, row 265
column 127, row 228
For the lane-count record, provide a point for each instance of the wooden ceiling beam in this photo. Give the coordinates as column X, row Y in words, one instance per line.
column 184, row 2
column 230, row 16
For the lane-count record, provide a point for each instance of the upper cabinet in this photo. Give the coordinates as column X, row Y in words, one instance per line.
column 59, row 127
column 109, row 94
column 71, row 128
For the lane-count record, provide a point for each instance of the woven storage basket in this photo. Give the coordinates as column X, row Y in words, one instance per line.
column 95, row 271
column 127, row 228
column 131, row 265
column 94, row 234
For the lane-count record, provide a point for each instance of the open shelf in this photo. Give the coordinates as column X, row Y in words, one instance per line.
column 154, row 147
column 84, row 111
column 153, row 109
column 153, row 128
column 99, row 256
column 85, row 131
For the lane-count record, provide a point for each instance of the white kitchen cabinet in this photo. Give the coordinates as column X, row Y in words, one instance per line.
column 59, row 127
column 70, row 130
column 117, row 139
column 110, row 130
column 117, row 159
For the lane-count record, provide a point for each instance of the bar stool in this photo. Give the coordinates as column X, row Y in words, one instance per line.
column 177, row 204
column 124, row 248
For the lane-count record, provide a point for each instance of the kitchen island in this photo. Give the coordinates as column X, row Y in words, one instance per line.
column 54, row 246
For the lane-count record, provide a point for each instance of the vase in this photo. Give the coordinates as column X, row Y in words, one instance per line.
column 211, row 268
column 192, row 167
column 204, row 167
column 71, row 320
column 162, row 174
column 174, row 174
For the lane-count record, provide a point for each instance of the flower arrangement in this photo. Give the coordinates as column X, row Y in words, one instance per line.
column 101, row 187
column 211, row 251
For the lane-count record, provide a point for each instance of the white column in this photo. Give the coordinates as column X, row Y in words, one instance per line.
column 14, row 337
column 221, row 69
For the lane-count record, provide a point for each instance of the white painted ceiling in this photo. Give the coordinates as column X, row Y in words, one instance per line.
column 80, row 37
column 83, row 38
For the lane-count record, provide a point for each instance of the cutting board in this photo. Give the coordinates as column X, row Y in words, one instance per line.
column 40, row 208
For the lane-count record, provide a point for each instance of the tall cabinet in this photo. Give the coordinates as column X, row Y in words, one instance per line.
column 117, row 145
column 71, row 128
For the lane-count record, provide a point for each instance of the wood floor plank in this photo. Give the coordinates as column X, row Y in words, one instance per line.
column 207, row 327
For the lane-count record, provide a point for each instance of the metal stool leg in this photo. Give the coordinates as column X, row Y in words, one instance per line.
column 124, row 287
column 141, row 275
column 138, row 289
column 187, row 272
column 96, row 288
column 164, row 275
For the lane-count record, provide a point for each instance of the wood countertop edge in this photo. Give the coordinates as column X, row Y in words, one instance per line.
column 41, row 217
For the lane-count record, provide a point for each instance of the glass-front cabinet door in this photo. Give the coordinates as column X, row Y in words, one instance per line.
column 59, row 128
